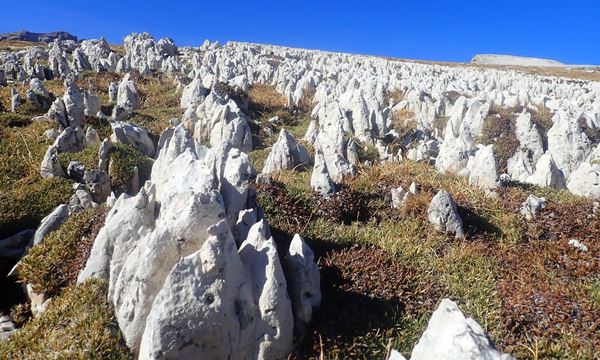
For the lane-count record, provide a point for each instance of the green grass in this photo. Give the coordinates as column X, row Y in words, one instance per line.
column 25, row 197
column 123, row 160
column 78, row 324
column 55, row 263
column 88, row 157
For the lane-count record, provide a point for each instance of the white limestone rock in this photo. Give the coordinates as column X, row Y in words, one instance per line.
column 128, row 96
column 113, row 91
column 128, row 219
column 585, row 180
column 205, row 308
column 74, row 106
column 50, row 223
column 134, row 135
column 71, row 139
column 246, row 219
column 578, row 245
column 274, row 318
column 50, row 166
column 304, row 281
column 443, row 214
column 547, row 173
column 532, row 205
column 481, row 168
column 91, row 136
column 451, row 336
column 286, row 154
column 320, row 181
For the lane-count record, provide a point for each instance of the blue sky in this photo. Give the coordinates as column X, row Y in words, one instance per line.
column 428, row 30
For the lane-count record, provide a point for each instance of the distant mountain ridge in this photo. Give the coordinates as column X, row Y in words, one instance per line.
column 495, row 59
column 37, row 37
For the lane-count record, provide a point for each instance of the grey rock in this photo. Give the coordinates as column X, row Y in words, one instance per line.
column 444, row 216
column 113, row 90
column 7, row 328
column 71, row 139
column 531, row 206
column 13, row 247
column 91, row 136
column 50, row 166
column 75, row 171
column 103, row 152
column 97, row 183
column 50, row 223
column 304, row 281
column 134, row 135
column 15, row 100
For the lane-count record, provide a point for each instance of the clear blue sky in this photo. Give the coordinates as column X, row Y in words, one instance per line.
column 567, row 31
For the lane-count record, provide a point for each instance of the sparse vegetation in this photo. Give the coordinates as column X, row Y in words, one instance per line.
column 79, row 323
column 499, row 130
column 477, row 272
column 123, row 161
column 55, row 263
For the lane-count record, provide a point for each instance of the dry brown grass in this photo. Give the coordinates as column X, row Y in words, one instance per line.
column 499, row 130
column 18, row 44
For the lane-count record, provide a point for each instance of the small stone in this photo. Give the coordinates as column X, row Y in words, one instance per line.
column 443, row 214
column 97, row 183
column 578, row 245
column 532, row 205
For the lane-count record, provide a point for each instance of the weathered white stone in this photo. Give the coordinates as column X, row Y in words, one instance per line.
column 127, row 94
column 50, row 223
column 585, row 180
column 444, row 215
column 578, row 245
column 134, row 135
column 274, row 318
column 286, row 154
column 320, row 181
column 246, row 219
column 113, row 91
column 532, row 205
column 103, row 151
column 91, row 136
column 451, row 336
column 205, row 308
column 481, row 168
column 51, row 164
column 71, row 139
column 304, row 281
column 547, row 173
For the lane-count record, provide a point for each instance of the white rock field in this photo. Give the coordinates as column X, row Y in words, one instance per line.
column 192, row 268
